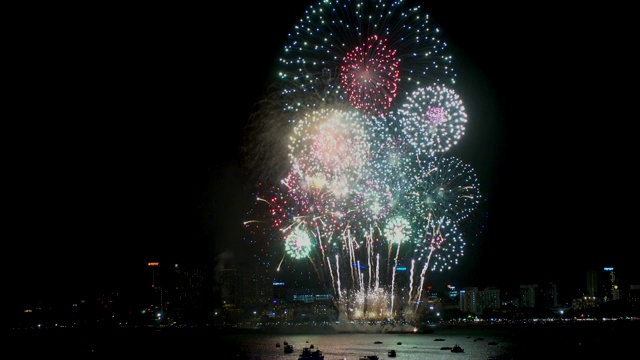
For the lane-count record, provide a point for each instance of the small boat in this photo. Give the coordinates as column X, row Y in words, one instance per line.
column 308, row 354
column 457, row 349
column 399, row 342
column 445, row 348
column 288, row 349
column 369, row 357
column 377, row 342
column 492, row 342
column 277, row 344
column 438, row 339
column 391, row 353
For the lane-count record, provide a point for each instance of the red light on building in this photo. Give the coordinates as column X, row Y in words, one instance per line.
column 153, row 273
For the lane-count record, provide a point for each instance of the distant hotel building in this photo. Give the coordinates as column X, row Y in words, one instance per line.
column 477, row 301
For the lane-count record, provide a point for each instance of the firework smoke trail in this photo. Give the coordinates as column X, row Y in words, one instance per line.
column 338, row 277
column 411, row 275
column 377, row 272
column 423, row 274
column 369, row 257
column 422, row 279
column 393, row 276
column 360, row 279
column 320, row 245
column 397, row 232
column 333, row 279
column 355, row 264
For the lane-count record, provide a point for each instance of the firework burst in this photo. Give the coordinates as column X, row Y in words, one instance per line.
column 370, row 51
column 433, row 119
column 364, row 109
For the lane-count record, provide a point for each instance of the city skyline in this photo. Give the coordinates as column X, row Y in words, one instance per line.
column 188, row 295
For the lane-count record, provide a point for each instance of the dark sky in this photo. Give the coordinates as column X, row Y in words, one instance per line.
column 125, row 126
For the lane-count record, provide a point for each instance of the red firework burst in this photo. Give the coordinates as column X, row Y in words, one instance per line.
column 370, row 75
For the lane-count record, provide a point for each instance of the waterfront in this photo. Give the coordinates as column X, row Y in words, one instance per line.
column 596, row 340
column 586, row 341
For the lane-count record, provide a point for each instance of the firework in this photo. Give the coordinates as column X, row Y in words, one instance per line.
column 442, row 187
column 367, row 52
column 364, row 108
column 330, row 149
column 385, row 178
column 433, row 119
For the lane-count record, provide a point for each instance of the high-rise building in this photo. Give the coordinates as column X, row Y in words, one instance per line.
column 469, row 299
column 602, row 284
column 527, row 295
column 547, row 296
column 489, row 299
column 612, row 284
column 592, row 284
column 190, row 297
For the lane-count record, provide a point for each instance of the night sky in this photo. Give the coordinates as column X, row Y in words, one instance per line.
column 126, row 128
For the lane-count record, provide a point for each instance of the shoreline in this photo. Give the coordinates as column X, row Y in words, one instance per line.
column 194, row 341
column 328, row 329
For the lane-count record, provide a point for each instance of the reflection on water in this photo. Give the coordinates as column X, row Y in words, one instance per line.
column 355, row 346
column 587, row 341
column 584, row 341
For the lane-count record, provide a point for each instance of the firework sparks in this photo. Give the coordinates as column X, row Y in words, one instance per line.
column 366, row 107
column 371, row 50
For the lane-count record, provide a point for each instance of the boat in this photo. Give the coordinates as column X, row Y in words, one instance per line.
column 277, row 344
column 288, row 349
column 438, row 339
column 446, row 348
column 391, row 353
column 492, row 342
column 308, row 354
column 377, row 342
column 368, row 357
column 457, row 349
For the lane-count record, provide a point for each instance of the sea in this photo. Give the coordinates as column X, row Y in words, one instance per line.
column 597, row 340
